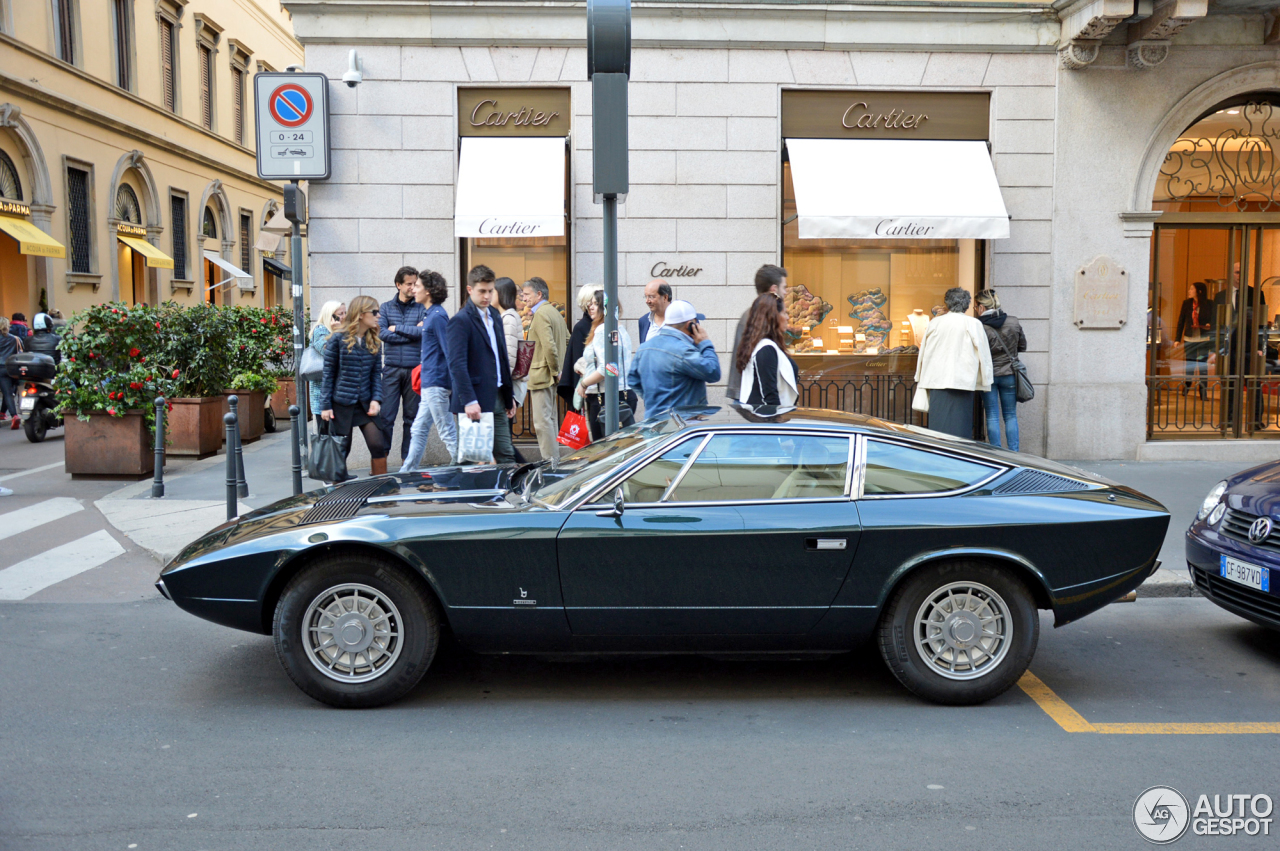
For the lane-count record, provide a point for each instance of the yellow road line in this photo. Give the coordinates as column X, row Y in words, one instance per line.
column 1054, row 706
column 1073, row 722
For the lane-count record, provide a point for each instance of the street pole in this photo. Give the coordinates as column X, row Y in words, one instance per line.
column 611, row 358
column 295, row 211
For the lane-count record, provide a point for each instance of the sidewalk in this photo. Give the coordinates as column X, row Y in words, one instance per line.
column 195, row 501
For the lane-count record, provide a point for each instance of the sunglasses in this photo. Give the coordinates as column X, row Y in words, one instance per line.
column 375, row 311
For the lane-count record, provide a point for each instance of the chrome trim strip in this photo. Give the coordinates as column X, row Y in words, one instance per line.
column 857, row 466
column 792, row 501
column 427, row 497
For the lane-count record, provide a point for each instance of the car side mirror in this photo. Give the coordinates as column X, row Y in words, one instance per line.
column 618, row 505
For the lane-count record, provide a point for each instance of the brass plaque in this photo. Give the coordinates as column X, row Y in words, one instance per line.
column 513, row 112
column 885, row 115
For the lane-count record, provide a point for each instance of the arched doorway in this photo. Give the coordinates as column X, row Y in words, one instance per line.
column 1213, row 338
column 131, row 264
column 15, row 287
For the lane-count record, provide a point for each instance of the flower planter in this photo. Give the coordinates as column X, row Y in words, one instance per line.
column 194, row 426
column 249, row 409
column 109, row 447
column 284, row 397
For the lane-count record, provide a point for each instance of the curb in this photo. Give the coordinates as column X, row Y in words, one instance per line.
column 1168, row 583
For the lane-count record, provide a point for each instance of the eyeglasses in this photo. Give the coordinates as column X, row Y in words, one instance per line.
column 374, row 311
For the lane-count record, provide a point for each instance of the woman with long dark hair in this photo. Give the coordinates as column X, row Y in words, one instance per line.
column 593, row 363
column 513, row 330
column 351, row 392
column 577, row 343
column 768, row 372
column 1195, row 332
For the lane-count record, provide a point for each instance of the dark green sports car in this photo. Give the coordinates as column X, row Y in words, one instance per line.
column 710, row 531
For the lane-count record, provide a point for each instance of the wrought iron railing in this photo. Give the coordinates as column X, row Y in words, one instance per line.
column 885, row 396
column 1208, row 407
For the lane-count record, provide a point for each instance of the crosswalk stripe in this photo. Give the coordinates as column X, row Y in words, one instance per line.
column 20, row 520
column 53, row 566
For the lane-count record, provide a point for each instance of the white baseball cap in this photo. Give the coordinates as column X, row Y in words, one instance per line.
column 679, row 312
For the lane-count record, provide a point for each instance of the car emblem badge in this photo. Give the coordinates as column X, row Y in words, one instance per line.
column 1260, row 530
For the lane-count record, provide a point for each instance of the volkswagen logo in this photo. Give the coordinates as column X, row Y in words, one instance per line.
column 1260, row 529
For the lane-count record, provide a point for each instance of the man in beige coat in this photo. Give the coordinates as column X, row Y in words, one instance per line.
column 551, row 336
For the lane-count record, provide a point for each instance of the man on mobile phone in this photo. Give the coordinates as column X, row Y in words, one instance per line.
column 672, row 368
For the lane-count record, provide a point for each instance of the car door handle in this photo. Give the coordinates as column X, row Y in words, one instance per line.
column 826, row 543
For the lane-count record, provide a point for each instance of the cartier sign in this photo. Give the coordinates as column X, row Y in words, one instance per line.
column 856, row 114
column 662, row 269
column 513, row 112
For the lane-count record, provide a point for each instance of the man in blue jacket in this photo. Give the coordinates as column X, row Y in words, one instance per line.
column 430, row 291
column 672, row 368
column 400, row 324
column 478, row 367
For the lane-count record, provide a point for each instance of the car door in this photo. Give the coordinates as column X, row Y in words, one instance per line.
column 738, row 533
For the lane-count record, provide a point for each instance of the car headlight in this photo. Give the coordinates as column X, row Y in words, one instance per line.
column 1216, row 515
column 1214, row 497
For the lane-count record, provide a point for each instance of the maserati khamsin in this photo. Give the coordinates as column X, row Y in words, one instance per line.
column 710, row 531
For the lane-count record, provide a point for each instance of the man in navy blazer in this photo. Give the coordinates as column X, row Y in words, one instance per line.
column 478, row 366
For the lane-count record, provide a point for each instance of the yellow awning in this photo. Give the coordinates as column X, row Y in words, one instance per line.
column 156, row 258
column 32, row 240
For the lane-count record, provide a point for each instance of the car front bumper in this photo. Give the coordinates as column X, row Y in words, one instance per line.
column 1203, row 559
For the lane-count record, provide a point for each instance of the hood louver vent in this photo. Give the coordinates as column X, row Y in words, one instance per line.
column 343, row 502
column 1036, row 481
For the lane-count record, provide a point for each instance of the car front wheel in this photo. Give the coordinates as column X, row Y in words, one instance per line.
column 960, row 632
column 356, row 631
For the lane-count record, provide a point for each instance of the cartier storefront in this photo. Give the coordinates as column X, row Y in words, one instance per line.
column 888, row 201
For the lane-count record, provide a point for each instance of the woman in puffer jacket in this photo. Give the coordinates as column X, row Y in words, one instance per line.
column 351, row 392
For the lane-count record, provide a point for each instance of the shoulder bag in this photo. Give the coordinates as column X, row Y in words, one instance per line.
column 1024, row 391
column 312, row 366
column 524, row 359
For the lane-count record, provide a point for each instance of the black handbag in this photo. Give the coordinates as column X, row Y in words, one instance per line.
column 1024, row 391
column 326, row 462
column 626, row 416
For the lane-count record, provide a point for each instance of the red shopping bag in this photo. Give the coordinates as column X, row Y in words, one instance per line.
column 573, row 431
column 416, row 378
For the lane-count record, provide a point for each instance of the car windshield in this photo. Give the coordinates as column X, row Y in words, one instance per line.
column 581, row 470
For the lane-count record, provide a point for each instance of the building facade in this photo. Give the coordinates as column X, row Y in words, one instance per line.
column 126, row 137
column 882, row 154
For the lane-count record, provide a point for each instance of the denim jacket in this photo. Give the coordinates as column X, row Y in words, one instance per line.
column 670, row 371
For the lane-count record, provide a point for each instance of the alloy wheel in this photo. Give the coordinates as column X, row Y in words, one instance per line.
column 352, row 633
column 963, row 630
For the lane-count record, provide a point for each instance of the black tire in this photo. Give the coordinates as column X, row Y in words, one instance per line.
column 35, row 427
column 901, row 648
column 419, row 633
column 269, row 420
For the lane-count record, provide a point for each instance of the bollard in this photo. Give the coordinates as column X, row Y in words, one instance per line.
column 230, row 420
column 157, row 484
column 294, row 437
column 242, row 487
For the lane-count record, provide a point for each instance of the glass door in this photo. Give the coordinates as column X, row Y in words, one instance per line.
column 1213, row 333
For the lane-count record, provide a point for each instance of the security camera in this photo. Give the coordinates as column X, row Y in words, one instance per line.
column 355, row 71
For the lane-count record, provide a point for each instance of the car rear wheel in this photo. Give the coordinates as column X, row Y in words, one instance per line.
column 356, row 631
column 960, row 633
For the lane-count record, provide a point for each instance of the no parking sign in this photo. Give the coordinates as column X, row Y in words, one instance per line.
column 293, row 125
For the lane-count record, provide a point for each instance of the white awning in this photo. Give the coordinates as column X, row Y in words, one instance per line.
column 510, row 187
column 896, row 189
column 241, row 278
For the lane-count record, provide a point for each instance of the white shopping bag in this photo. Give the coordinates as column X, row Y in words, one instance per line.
column 475, row 439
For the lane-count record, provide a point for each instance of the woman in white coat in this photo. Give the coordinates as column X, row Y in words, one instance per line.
column 768, row 373
column 954, row 364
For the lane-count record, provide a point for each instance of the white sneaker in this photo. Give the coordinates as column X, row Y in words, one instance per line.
column 5, row 492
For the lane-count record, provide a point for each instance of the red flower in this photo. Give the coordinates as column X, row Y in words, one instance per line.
column 176, row 373
column 92, row 356
column 111, row 411
column 264, row 320
column 73, row 360
column 113, row 310
column 144, row 360
column 133, row 353
column 157, row 326
column 133, row 385
column 242, row 348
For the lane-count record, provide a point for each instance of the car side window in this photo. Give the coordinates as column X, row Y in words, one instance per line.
column 896, row 469
column 651, row 481
column 754, row 467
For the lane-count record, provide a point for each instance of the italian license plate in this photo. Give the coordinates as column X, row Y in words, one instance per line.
column 1246, row 574
column 28, row 403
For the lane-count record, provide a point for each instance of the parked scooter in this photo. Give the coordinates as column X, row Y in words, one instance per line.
column 32, row 375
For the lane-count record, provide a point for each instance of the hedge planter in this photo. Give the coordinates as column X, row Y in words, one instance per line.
column 250, row 410
column 194, row 426
column 284, row 397
column 109, row 447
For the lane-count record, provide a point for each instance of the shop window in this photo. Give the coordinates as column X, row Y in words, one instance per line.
column 10, row 183
column 122, row 26
column 64, row 25
column 206, row 86
column 168, row 64
column 866, row 297
column 178, row 223
column 127, row 207
column 79, row 211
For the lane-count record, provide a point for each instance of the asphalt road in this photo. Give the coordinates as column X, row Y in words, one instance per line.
column 132, row 724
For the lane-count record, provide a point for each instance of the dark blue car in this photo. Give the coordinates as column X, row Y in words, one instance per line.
column 1233, row 547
